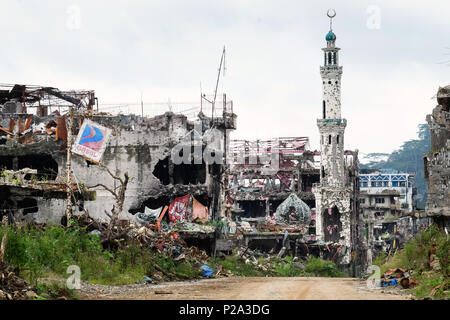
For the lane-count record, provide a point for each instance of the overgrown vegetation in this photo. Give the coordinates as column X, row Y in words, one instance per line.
column 46, row 253
column 323, row 268
column 281, row 267
column 55, row 290
column 38, row 253
column 415, row 256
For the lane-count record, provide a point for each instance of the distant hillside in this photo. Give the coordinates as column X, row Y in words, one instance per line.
column 408, row 158
column 372, row 159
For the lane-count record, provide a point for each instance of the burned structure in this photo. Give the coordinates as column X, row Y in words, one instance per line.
column 437, row 161
column 166, row 156
column 386, row 204
column 265, row 172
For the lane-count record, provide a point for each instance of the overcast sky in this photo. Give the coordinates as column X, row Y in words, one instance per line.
column 273, row 52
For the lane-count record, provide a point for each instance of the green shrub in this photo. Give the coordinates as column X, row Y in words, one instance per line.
column 39, row 252
column 322, row 268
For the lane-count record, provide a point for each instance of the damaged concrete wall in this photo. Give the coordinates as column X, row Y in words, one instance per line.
column 437, row 162
column 137, row 146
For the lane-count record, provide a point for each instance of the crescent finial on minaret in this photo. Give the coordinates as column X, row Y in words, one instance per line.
column 331, row 13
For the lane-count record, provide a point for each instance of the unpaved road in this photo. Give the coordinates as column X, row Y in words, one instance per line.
column 238, row 288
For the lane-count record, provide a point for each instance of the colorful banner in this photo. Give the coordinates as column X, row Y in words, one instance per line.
column 199, row 211
column 91, row 141
column 177, row 209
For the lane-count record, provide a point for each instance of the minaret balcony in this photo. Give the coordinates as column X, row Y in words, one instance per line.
column 332, row 122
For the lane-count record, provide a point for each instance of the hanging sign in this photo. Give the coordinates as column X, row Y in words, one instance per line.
column 91, row 140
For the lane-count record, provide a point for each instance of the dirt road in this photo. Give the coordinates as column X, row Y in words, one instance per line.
column 236, row 288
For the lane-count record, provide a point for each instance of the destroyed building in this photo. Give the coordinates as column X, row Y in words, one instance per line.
column 386, row 201
column 437, row 161
column 164, row 156
column 265, row 172
column 271, row 197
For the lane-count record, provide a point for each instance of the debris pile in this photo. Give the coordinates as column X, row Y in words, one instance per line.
column 398, row 276
column 13, row 287
column 265, row 262
column 170, row 244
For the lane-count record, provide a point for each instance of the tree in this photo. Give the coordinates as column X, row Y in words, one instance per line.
column 119, row 194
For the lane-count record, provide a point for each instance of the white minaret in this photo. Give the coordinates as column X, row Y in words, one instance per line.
column 331, row 126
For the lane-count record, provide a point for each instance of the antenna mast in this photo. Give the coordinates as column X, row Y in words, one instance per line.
column 222, row 61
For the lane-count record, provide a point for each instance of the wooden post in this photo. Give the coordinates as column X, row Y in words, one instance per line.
column 69, row 165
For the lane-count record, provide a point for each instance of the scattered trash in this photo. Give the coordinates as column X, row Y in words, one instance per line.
column 96, row 232
column 148, row 280
column 393, row 277
column 207, row 271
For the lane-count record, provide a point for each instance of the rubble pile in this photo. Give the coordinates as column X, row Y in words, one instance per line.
column 13, row 287
column 398, row 276
column 168, row 243
column 265, row 262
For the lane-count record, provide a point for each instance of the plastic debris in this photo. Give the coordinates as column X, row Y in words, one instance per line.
column 207, row 271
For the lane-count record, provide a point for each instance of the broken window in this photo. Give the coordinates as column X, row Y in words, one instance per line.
column 29, row 205
column 46, row 166
column 189, row 173
column 161, row 171
column 379, row 200
column 253, row 209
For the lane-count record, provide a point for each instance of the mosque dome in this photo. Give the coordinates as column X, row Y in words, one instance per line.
column 330, row 36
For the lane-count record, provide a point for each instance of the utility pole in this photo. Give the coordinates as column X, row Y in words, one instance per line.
column 142, row 106
column 69, row 165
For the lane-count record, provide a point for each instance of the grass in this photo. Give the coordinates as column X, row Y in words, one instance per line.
column 323, row 268
column 280, row 267
column 47, row 252
column 414, row 256
column 38, row 253
column 55, row 290
column 238, row 267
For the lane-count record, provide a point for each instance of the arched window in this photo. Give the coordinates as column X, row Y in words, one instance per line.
column 329, row 57
column 337, row 139
column 329, row 139
column 324, row 110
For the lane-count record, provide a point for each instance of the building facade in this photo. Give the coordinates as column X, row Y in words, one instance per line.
column 385, row 200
